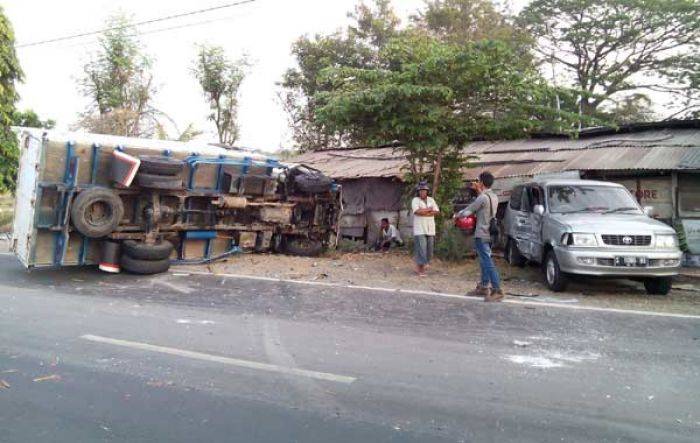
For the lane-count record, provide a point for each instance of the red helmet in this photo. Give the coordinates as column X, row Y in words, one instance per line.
column 467, row 223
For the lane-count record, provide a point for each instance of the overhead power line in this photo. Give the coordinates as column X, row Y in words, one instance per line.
column 145, row 22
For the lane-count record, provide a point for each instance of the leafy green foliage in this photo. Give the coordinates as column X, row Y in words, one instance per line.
column 119, row 84
column 462, row 21
column 220, row 79
column 10, row 73
column 356, row 47
column 451, row 245
column 434, row 97
column 30, row 119
column 614, row 48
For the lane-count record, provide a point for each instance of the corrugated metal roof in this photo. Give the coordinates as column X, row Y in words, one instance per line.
column 654, row 149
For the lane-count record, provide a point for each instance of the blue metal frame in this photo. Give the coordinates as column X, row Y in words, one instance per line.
column 70, row 179
column 195, row 160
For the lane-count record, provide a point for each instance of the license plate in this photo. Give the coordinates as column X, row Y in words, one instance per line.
column 631, row 262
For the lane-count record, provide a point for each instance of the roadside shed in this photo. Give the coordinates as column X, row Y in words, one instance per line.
column 659, row 162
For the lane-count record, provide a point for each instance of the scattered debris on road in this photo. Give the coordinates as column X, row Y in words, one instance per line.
column 52, row 377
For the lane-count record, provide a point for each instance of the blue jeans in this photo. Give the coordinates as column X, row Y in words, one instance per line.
column 489, row 274
column 423, row 248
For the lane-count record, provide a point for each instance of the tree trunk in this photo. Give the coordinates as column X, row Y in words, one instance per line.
column 437, row 167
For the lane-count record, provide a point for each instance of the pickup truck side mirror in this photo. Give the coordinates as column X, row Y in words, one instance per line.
column 648, row 210
column 538, row 209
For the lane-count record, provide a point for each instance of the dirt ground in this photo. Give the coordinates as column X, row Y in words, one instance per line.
column 394, row 270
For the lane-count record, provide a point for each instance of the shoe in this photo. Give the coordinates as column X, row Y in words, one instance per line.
column 495, row 295
column 479, row 291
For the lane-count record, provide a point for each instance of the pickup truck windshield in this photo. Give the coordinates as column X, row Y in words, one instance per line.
column 586, row 198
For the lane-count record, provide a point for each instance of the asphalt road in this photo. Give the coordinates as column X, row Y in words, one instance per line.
column 92, row 357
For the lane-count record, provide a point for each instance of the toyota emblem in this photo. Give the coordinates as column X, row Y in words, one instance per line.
column 627, row 240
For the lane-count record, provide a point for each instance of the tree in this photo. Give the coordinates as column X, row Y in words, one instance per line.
column 614, row 48
column 119, row 84
column 188, row 134
column 358, row 46
column 10, row 74
column 434, row 98
column 462, row 21
column 220, row 79
column 29, row 119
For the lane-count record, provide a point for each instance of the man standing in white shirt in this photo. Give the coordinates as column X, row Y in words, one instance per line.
column 424, row 211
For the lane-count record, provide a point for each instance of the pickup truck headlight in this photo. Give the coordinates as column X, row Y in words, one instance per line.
column 581, row 239
column 666, row 241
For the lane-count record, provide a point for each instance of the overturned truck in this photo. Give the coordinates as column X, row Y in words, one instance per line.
column 139, row 205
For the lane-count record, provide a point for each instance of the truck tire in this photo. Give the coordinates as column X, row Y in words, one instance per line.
column 143, row 251
column 154, row 181
column 302, row 246
column 151, row 164
column 144, row 267
column 658, row 285
column 96, row 212
column 513, row 255
column 311, row 181
column 556, row 280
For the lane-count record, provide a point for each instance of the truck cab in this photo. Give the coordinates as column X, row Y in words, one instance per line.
column 587, row 227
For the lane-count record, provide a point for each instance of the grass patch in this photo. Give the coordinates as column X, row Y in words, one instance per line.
column 6, row 212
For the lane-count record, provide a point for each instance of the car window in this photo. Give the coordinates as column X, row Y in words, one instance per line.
column 590, row 198
column 516, row 198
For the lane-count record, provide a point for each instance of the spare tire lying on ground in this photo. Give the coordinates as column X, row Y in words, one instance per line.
column 144, row 267
column 154, row 181
column 144, row 251
column 151, row 164
column 310, row 180
column 302, row 246
column 96, row 212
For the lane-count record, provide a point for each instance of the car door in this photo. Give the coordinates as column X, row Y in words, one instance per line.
column 520, row 220
column 535, row 243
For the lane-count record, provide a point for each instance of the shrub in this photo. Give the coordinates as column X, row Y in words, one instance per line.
column 452, row 245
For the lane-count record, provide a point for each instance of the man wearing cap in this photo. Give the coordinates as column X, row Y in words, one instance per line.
column 424, row 210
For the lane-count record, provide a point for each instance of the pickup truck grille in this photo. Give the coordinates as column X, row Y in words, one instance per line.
column 626, row 240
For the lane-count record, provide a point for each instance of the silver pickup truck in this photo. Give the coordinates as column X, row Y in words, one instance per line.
column 591, row 228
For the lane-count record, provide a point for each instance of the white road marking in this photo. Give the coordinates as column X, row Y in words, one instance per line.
column 533, row 302
column 219, row 359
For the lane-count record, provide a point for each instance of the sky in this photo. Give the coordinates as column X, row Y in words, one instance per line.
column 265, row 30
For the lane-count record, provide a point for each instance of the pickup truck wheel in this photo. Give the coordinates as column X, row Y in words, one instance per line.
column 154, row 181
column 96, row 212
column 556, row 280
column 151, row 164
column 143, row 251
column 658, row 285
column 303, row 246
column 513, row 255
column 144, row 267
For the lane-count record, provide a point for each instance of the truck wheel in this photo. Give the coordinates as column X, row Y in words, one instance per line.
column 144, row 267
column 555, row 279
column 96, row 212
column 302, row 246
column 151, row 164
column 143, row 251
column 658, row 285
column 154, row 181
column 513, row 255
column 313, row 182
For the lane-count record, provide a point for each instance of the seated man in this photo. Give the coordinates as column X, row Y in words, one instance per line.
column 388, row 236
